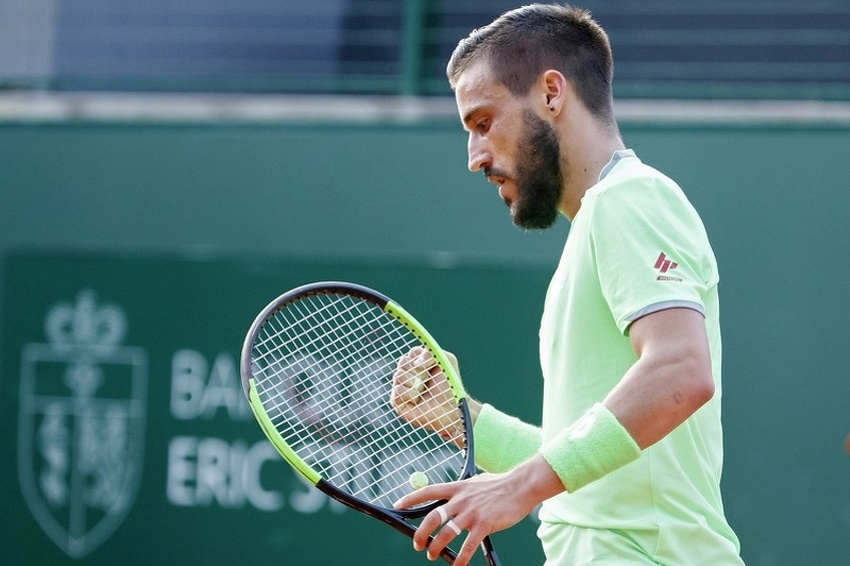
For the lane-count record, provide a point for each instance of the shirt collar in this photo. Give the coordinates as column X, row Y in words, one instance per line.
column 618, row 155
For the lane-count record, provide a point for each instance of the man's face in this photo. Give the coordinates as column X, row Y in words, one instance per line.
column 516, row 149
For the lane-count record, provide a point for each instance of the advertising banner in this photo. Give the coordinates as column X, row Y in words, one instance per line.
column 127, row 438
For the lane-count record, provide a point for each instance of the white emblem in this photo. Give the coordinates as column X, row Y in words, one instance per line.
column 82, row 420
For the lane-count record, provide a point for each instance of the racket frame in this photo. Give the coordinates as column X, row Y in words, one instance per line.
column 396, row 518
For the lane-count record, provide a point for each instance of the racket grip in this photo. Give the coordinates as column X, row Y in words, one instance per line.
column 490, row 552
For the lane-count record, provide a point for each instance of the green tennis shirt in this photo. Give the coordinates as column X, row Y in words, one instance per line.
column 636, row 246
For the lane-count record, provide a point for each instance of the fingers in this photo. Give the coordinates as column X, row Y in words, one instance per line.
column 442, row 530
column 446, row 533
column 421, row 395
column 411, row 377
column 446, row 530
column 422, row 495
column 445, row 523
column 435, row 519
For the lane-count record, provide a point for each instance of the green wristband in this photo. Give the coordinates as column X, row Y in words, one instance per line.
column 502, row 441
column 592, row 447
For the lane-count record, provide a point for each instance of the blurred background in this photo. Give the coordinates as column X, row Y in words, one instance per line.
column 168, row 168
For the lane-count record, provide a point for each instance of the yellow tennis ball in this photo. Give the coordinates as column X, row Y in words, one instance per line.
column 418, row 480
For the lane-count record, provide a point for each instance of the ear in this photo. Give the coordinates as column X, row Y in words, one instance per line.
column 554, row 88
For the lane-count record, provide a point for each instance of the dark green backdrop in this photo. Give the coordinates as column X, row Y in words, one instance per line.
column 189, row 229
column 199, row 488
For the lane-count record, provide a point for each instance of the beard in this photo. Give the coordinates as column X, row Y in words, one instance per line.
column 539, row 176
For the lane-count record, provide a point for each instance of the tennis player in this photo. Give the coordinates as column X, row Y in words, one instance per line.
column 627, row 462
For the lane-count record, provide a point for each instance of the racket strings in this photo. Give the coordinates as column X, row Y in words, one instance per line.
column 324, row 367
column 395, row 435
column 296, row 327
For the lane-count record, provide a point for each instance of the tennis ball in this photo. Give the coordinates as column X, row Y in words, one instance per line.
column 418, row 480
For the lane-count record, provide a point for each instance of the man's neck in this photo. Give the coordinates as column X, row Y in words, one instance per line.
column 584, row 170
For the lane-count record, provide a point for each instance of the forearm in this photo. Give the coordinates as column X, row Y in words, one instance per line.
column 670, row 380
column 650, row 407
column 569, row 463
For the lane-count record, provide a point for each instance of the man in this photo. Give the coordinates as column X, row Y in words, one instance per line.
column 627, row 462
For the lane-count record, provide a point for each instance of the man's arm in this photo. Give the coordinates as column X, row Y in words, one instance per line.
column 671, row 379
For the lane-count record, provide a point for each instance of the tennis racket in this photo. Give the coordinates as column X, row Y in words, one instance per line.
column 319, row 366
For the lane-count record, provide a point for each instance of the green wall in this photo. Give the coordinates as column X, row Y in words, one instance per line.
column 165, row 219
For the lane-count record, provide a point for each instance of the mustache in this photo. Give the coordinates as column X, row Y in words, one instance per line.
column 494, row 172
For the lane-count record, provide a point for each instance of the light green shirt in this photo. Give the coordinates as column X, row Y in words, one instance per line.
column 636, row 246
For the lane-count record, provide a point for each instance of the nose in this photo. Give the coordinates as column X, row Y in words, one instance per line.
column 479, row 156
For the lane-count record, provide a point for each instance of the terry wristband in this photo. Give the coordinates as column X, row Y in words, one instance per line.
column 592, row 447
column 502, row 441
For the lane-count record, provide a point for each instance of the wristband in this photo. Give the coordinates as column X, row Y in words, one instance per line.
column 502, row 441
column 592, row 447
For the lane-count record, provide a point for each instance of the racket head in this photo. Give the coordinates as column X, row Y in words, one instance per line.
column 317, row 368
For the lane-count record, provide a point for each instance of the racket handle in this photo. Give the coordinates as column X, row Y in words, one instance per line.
column 490, row 552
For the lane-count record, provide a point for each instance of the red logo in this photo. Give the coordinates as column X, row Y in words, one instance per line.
column 665, row 265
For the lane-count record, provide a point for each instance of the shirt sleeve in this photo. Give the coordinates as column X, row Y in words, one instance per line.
column 651, row 250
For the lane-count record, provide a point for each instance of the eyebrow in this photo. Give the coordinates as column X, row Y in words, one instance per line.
column 468, row 117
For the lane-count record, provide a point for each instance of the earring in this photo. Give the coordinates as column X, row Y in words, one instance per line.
column 551, row 109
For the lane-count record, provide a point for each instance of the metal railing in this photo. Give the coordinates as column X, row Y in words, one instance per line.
column 663, row 48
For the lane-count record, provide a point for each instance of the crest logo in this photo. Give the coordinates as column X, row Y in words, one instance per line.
column 82, row 421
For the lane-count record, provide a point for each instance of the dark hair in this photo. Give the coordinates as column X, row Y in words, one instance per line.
column 523, row 43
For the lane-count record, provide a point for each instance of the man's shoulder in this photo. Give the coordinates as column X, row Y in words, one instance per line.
column 634, row 185
column 635, row 174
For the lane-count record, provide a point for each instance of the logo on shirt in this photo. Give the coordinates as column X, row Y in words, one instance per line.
column 665, row 266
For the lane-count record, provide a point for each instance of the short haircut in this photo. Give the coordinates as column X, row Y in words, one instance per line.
column 523, row 43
